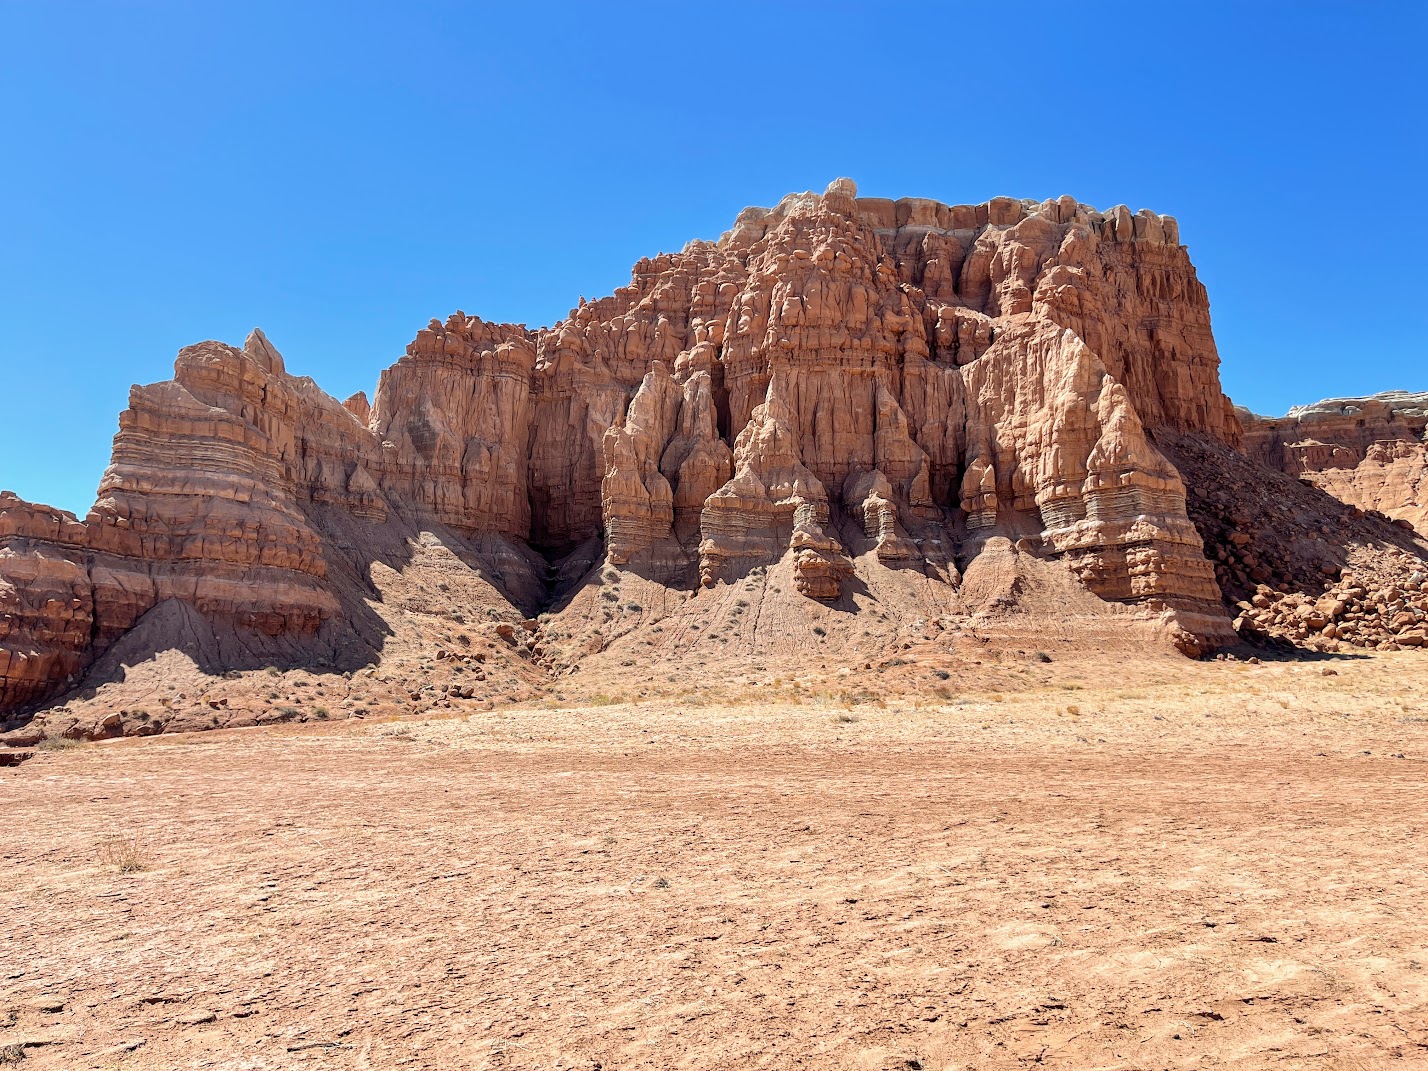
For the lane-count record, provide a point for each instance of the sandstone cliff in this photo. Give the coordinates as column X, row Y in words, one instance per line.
column 856, row 391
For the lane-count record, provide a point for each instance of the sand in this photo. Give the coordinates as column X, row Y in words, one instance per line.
column 1116, row 864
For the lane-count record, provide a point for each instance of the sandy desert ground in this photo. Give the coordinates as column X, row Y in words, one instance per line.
column 1121, row 863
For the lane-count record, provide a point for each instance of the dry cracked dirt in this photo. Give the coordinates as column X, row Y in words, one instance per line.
column 1117, row 863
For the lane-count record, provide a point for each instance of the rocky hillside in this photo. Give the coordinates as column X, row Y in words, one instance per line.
column 1370, row 452
column 904, row 410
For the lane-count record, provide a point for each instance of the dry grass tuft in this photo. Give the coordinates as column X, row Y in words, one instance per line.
column 57, row 743
column 124, row 853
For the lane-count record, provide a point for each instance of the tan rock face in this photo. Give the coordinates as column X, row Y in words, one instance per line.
column 1369, row 452
column 851, row 384
column 451, row 417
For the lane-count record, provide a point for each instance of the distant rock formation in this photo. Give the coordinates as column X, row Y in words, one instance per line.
column 851, row 384
column 1370, row 452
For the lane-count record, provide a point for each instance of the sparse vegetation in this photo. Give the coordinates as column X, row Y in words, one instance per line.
column 56, row 743
column 123, row 854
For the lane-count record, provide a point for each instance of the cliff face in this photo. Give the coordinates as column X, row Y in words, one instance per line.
column 846, row 384
column 1369, row 452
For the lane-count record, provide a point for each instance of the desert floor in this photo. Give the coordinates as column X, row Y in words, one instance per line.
column 1132, row 863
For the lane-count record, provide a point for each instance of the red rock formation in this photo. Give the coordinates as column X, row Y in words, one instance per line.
column 1369, row 452
column 198, row 504
column 853, row 384
column 46, row 601
column 451, row 418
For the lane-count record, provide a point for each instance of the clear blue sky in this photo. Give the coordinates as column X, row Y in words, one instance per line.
column 339, row 173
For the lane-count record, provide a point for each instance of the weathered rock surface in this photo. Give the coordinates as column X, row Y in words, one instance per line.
column 848, row 388
column 1279, row 544
column 1369, row 452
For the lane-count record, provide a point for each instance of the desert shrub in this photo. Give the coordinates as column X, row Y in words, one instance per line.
column 819, row 630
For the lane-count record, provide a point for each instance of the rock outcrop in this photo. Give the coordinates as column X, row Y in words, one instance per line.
column 841, row 384
column 1369, row 452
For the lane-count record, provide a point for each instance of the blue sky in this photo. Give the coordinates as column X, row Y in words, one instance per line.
column 340, row 173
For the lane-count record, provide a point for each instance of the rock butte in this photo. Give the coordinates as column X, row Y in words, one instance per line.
column 854, row 389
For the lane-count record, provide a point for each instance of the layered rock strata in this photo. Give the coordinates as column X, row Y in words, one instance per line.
column 847, row 383
column 1369, row 452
